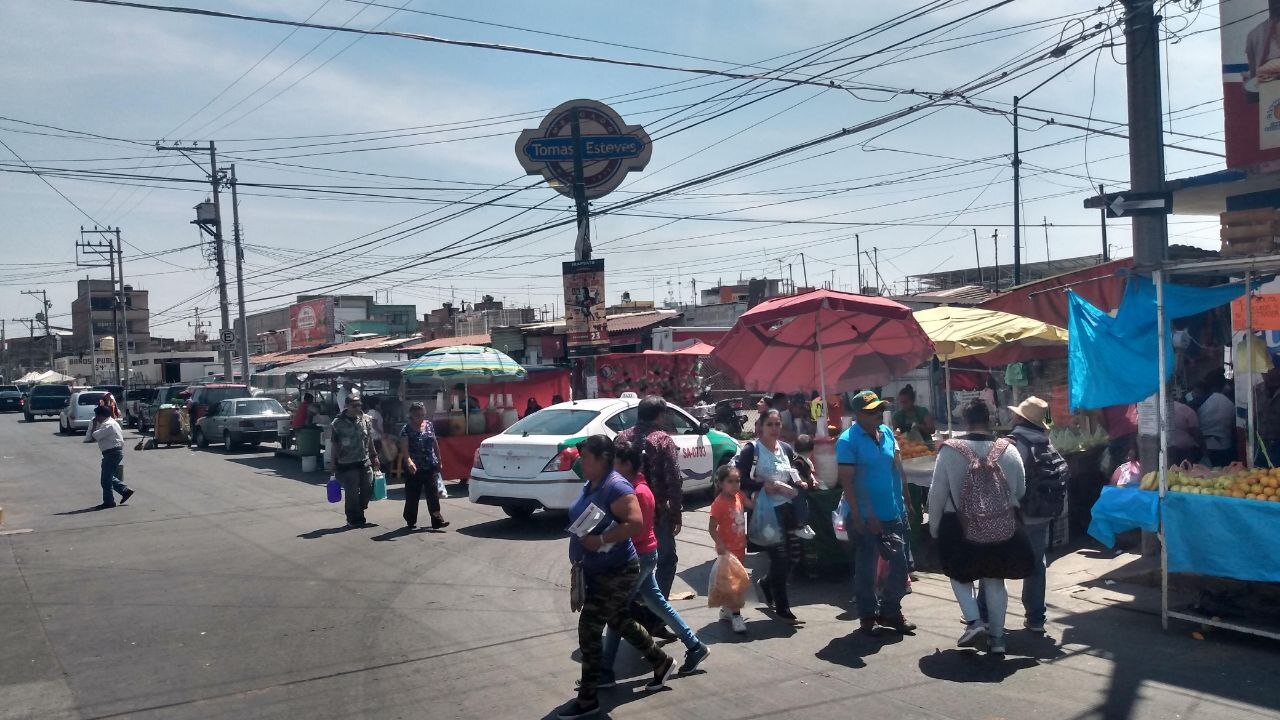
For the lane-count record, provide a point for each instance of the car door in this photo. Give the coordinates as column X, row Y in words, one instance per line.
column 696, row 461
column 218, row 419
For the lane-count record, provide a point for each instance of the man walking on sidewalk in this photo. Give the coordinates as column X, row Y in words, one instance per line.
column 110, row 438
column 354, row 459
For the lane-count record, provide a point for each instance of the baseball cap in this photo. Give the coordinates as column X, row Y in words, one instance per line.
column 867, row 401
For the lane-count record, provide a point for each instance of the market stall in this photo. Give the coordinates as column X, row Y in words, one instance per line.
column 1218, row 524
column 675, row 376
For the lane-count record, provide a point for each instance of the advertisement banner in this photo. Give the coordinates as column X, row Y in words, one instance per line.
column 587, row 331
column 1250, row 34
column 311, row 322
column 1266, row 312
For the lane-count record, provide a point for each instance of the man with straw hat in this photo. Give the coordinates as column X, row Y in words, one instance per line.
column 1044, row 500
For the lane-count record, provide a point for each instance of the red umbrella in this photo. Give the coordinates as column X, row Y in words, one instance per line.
column 823, row 339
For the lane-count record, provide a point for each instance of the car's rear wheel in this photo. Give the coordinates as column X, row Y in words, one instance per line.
column 200, row 439
column 518, row 512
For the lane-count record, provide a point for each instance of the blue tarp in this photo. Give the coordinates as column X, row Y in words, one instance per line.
column 1114, row 361
column 1222, row 537
column 1121, row 510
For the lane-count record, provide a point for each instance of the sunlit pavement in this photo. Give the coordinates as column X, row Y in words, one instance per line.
column 228, row 588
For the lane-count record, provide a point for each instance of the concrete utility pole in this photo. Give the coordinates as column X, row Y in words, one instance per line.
column 123, row 301
column 197, row 324
column 977, row 257
column 215, row 181
column 93, row 350
column 43, row 316
column 104, row 251
column 995, row 240
column 1102, row 214
column 235, row 234
column 857, row 249
column 1046, row 246
column 1146, row 136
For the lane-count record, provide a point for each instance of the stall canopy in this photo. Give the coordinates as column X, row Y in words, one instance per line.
column 697, row 349
column 465, row 364
column 824, row 339
column 316, row 366
column 48, row 376
column 959, row 332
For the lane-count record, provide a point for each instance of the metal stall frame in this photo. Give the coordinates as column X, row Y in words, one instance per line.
column 1248, row 268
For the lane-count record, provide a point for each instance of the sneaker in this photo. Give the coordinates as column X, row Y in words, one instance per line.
column 972, row 634
column 579, row 709
column 739, row 625
column 896, row 622
column 660, row 674
column 125, row 497
column 693, row 659
column 788, row 617
column 1034, row 627
column 804, row 533
column 868, row 625
column 997, row 646
column 726, row 614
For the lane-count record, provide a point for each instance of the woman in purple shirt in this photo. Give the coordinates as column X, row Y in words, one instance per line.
column 422, row 462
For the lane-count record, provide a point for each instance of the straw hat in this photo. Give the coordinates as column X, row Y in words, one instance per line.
column 1033, row 410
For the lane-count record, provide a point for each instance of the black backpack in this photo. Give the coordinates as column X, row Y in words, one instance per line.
column 1047, row 475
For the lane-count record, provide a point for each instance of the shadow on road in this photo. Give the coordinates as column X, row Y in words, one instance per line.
column 400, row 532
column 279, row 467
column 968, row 666
column 759, row 627
column 852, row 648
column 540, row 526
column 322, row 532
column 82, row 511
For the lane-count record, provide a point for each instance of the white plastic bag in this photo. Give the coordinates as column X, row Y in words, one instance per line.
column 837, row 520
column 441, row 491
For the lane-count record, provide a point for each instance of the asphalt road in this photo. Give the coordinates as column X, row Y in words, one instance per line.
column 226, row 588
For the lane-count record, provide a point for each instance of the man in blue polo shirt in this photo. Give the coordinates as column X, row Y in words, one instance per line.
column 871, row 477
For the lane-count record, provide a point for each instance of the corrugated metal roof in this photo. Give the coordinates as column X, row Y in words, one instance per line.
column 639, row 321
column 481, row 340
column 353, row 346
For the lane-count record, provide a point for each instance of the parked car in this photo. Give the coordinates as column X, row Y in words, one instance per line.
column 45, row 401
column 116, row 390
column 244, row 420
column 78, row 414
column 210, row 395
column 134, row 398
column 164, row 395
column 10, row 398
column 527, row 466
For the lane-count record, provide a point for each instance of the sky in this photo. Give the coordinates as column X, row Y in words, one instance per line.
column 378, row 154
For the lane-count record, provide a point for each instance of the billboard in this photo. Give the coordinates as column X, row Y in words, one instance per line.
column 587, row 330
column 311, row 322
column 1250, row 33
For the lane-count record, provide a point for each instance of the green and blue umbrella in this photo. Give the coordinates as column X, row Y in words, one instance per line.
column 466, row 364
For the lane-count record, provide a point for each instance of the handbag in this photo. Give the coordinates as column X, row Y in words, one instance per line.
column 577, row 587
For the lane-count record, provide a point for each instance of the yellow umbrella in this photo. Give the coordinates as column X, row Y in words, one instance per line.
column 959, row 332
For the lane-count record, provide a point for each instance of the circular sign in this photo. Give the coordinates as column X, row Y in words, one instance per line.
column 227, row 336
column 610, row 148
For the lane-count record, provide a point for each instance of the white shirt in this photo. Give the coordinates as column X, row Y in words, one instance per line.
column 342, row 396
column 1218, row 422
column 109, row 436
column 375, row 422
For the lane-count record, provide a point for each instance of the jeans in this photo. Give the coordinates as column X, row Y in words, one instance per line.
column 415, row 485
column 991, row 594
column 1033, row 587
column 888, row 601
column 667, row 558
column 647, row 591
column 357, row 489
column 111, row 459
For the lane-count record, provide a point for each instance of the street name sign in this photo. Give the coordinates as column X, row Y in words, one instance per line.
column 610, row 148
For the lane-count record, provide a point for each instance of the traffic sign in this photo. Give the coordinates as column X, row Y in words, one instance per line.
column 228, row 337
column 610, row 148
column 1128, row 204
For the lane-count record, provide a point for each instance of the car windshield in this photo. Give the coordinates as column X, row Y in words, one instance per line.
column 8, row 388
column 553, row 421
column 143, row 394
column 259, row 406
column 90, row 398
column 52, row 390
column 213, row 396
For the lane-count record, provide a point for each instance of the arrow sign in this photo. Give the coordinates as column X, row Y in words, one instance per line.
column 1128, row 204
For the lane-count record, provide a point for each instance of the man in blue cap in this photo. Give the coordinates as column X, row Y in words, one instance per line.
column 872, row 480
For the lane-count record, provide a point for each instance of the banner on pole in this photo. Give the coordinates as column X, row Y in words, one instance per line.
column 587, row 330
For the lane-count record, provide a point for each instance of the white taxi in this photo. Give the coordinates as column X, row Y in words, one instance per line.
column 527, row 468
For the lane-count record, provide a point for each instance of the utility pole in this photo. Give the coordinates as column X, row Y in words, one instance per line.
column 805, row 269
column 977, row 257
column 995, row 241
column 1146, row 136
column 1046, row 247
column 875, row 267
column 1102, row 214
column 198, row 325
column 1017, row 205
column 213, row 226
column 93, row 350
column 857, row 247
column 101, row 253
column 791, row 273
column 43, row 316
column 235, row 234
column 123, row 301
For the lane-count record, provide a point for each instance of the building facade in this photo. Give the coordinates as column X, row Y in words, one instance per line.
column 91, row 315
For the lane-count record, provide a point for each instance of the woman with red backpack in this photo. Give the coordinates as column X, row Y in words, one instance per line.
column 973, row 513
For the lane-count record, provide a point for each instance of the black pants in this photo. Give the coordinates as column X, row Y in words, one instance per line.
column 357, row 489
column 415, row 485
column 782, row 557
